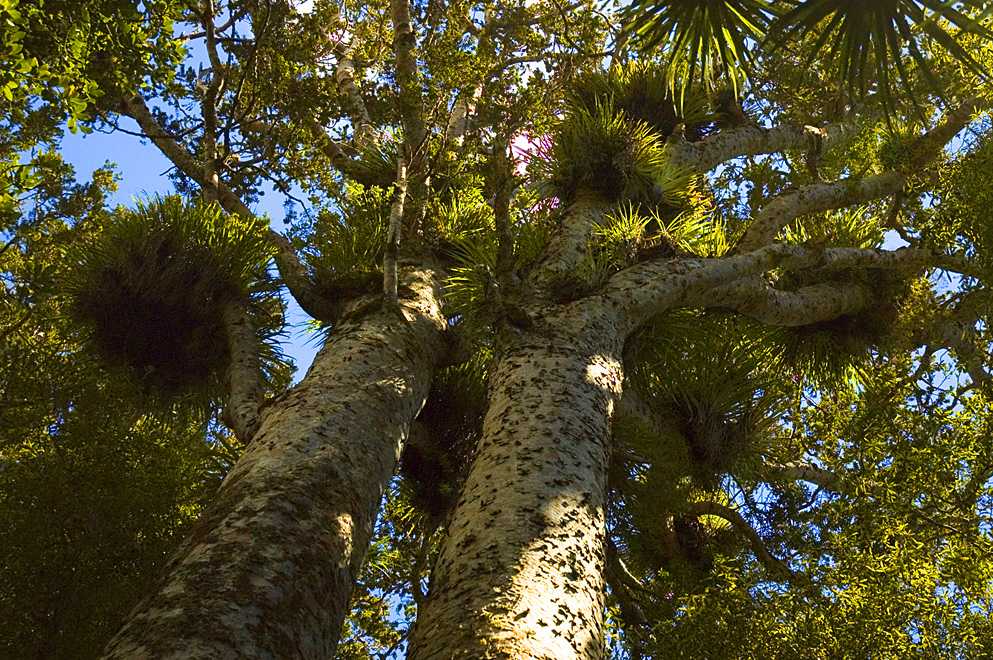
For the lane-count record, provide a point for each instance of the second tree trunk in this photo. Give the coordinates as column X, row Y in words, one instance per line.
column 520, row 573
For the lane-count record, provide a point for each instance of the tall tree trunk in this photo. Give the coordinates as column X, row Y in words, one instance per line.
column 269, row 570
column 520, row 573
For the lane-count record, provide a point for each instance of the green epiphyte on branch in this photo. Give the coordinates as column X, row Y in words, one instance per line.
column 150, row 287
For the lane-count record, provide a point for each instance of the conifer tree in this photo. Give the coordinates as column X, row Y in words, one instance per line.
column 674, row 318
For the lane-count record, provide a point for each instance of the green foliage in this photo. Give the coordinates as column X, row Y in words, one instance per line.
column 702, row 40
column 856, row 227
column 642, row 92
column 710, row 377
column 77, row 55
column 600, row 150
column 863, row 42
column 91, row 505
column 838, row 349
column 959, row 222
column 465, row 218
column 867, row 40
column 468, row 288
column 149, row 289
column 95, row 493
column 437, row 458
column 346, row 250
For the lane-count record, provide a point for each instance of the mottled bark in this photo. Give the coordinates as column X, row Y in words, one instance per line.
column 753, row 140
column 754, row 297
column 569, row 245
column 813, row 198
column 520, row 573
column 270, row 567
column 650, row 288
column 363, row 130
column 244, row 377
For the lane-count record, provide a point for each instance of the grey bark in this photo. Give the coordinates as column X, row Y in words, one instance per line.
column 269, row 569
column 520, row 572
column 570, row 244
column 244, row 378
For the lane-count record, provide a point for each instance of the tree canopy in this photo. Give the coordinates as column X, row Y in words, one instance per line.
column 782, row 207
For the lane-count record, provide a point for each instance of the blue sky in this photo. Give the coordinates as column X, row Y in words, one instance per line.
column 142, row 169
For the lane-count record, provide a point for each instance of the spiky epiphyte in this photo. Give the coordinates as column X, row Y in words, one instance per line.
column 347, row 257
column 150, row 287
column 600, row 149
column 465, row 217
column 709, row 381
column 641, row 91
column 628, row 235
column 661, row 538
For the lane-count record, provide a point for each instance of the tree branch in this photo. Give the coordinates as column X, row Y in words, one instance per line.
column 411, row 111
column 392, row 250
column 344, row 75
column 291, row 270
column 752, row 140
column 568, row 246
column 624, row 586
column 766, row 558
column 799, row 472
column 210, row 180
column 813, row 198
column 244, row 385
column 652, row 287
column 754, row 298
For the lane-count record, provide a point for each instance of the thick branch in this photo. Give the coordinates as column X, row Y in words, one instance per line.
column 135, row 108
column 813, row 198
column 503, row 187
column 752, row 140
column 568, row 246
column 652, row 287
column 244, row 386
column 355, row 104
column 409, row 101
column 297, row 280
column 293, row 273
column 754, row 298
column 333, row 151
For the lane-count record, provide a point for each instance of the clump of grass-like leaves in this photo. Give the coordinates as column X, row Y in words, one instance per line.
column 150, row 287
column 347, row 255
column 708, row 377
column 630, row 234
column 602, row 150
column 640, row 90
